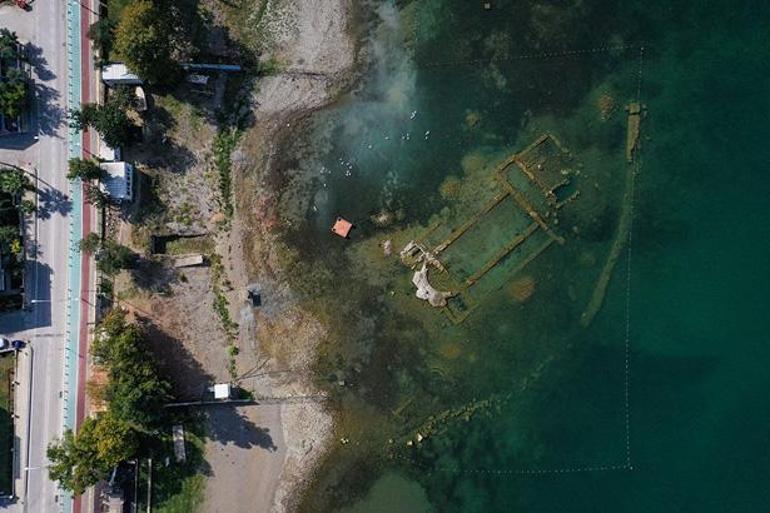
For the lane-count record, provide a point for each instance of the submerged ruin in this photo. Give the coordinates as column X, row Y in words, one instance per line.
column 512, row 228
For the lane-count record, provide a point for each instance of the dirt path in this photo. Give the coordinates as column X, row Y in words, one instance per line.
column 246, row 452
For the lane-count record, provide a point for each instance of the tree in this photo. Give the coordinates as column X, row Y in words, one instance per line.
column 9, row 44
column 143, row 39
column 96, row 196
column 85, row 169
column 82, row 460
column 9, row 236
column 73, row 462
column 27, row 207
column 135, row 390
column 13, row 181
column 113, row 257
column 90, row 243
column 13, row 92
column 110, row 120
column 102, row 34
column 135, row 394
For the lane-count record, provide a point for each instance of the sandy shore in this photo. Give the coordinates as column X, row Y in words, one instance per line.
column 311, row 41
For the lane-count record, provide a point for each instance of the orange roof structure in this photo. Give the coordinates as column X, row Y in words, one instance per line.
column 342, row 227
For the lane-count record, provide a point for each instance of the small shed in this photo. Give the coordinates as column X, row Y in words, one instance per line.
column 119, row 182
column 222, row 391
column 342, row 227
column 117, row 73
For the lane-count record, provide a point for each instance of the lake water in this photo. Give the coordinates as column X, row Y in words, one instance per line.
column 659, row 403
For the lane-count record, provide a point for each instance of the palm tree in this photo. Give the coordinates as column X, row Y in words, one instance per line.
column 13, row 181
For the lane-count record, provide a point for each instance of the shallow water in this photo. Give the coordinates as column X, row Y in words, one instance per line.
column 658, row 404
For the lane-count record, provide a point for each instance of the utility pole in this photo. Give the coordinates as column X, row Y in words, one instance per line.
column 149, row 485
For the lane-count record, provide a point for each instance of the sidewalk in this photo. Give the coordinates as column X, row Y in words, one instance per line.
column 22, row 404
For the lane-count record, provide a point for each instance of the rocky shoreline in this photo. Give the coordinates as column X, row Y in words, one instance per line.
column 316, row 53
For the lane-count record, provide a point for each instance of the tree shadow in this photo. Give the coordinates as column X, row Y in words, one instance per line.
column 38, row 62
column 158, row 150
column 188, row 376
column 153, row 275
column 50, row 116
column 52, row 201
column 39, row 279
column 229, row 426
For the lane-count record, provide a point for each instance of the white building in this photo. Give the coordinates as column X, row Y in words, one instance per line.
column 117, row 74
column 119, row 180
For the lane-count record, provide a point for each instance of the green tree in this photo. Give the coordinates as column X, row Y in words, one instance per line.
column 13, row 93
column 73, row 462
column 90, row 243
column 9, row 44
column 110, row 120
column 135, row 394
column 27, row 207
column 102, row 33
column 85, row 169
column 82, row 460
column 135, row 391
column 144, row 40
column 13, row 181
column 9, row 235
column 96, row 196
column 113, row 257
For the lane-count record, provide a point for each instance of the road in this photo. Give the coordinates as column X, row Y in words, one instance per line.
column 40, row 400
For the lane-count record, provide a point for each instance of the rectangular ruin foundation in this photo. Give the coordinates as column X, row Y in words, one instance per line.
column 454, row 259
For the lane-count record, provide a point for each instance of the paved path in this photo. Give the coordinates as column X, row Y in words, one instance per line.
column 40, row 400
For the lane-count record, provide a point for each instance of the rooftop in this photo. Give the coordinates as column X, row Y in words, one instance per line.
column 118, row 183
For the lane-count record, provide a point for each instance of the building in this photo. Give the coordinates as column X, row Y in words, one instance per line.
column 342, row 227
column 118, row 183
column 117, row 73
column 222, row 391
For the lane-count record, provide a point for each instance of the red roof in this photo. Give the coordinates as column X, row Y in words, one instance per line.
column 342, row 227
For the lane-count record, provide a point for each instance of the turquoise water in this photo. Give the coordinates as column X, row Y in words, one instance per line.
column 571, row 427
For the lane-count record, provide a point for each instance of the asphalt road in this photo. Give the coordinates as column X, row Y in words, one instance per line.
column 40, row 400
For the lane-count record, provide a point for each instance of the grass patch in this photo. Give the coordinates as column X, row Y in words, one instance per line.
column 185, row 245
column 177, row 487
column 7, row 365
column 222, row 308
column 224, row 144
